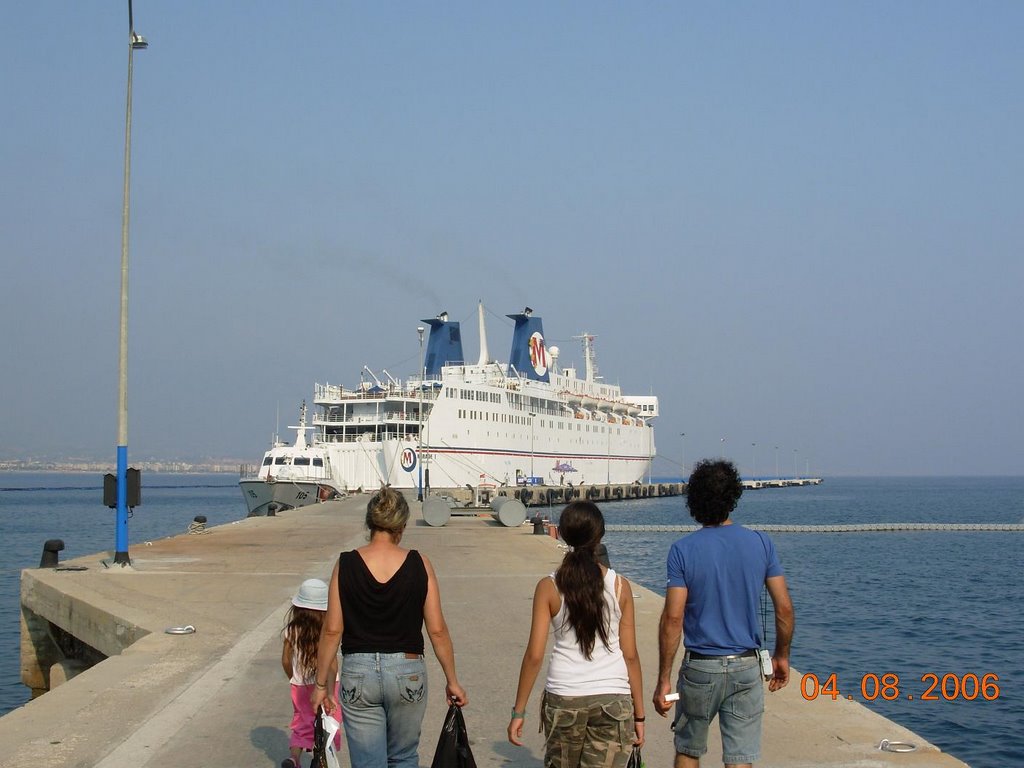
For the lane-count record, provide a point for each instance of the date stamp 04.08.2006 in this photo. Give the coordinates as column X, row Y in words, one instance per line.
column 889, row 687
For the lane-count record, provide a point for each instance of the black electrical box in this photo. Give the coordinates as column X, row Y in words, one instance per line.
column 134, row 489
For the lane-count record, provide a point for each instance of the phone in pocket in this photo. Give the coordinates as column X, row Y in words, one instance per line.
column 766, row 663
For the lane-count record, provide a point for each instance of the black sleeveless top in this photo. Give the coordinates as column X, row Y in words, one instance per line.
column 382, row 618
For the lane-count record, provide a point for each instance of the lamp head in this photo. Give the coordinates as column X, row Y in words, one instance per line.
column 139, row 43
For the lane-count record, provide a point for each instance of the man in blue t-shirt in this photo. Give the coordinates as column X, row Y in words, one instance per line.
column 714, row 583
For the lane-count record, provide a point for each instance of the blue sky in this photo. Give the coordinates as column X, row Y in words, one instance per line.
column 799, row 224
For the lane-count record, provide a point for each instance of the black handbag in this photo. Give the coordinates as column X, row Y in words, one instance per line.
column 635, row 759
column 453, row 745
column 323, row 747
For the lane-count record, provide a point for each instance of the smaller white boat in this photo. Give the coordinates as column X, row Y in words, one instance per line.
column 290, row 475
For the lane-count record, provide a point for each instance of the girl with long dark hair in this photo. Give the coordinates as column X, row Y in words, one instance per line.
column 301, row 635
column 592, row 709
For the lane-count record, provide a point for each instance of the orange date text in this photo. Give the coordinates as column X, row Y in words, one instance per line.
column 887, row 686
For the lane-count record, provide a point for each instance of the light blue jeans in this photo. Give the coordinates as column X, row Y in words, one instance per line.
column 732, row 689
column 383, row 700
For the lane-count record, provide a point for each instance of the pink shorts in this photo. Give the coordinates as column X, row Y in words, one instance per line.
column 304, row 719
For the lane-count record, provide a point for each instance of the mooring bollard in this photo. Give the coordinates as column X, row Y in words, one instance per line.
column 50, row 558
column 436, row 511
column 508, row 512
column 538, row 525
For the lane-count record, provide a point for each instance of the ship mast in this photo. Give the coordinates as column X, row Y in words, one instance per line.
column 300, row 430
column 589, row 357
column 484, row 354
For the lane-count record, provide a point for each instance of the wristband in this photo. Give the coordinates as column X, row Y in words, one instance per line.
column 639, row 719
column 321, row 687
column 518, row 714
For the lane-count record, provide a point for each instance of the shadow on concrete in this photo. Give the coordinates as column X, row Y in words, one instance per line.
column 273, row 742
column 514, row 756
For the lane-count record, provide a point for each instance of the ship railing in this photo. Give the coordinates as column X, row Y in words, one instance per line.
column 367, row 437
column 334, row 394
column 385, row 416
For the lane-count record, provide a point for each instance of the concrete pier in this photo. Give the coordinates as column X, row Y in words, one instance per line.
column 218, row 696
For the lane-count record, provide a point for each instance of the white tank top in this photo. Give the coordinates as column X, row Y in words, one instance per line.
column 569, row 672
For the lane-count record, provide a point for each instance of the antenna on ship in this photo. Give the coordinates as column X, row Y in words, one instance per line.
column 484, row 355
column 277, row 423
column 589, row 358
column 300, row 430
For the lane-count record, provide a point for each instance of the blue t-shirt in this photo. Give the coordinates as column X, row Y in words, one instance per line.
column 723, row 569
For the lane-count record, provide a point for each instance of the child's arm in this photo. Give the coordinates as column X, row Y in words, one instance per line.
column 286, row 658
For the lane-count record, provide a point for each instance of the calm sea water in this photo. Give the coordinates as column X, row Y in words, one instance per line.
column 906, row 604
column 36, row 506
column 909, row 604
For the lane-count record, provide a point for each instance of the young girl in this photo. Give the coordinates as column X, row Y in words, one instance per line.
column 592, row 709
column 298, row 657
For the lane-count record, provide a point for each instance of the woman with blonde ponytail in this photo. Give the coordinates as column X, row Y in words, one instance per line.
column 592, row 708
column 380, row 597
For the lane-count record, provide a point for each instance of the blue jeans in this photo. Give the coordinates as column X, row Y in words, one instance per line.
column 733, row 689
column 383, row 700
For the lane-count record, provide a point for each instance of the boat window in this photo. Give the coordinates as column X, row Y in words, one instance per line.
column 267, row 460
column 318, row 462
column 281, row 460
column 300, row 461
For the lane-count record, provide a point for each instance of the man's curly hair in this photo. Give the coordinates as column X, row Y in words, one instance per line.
column 713, row 490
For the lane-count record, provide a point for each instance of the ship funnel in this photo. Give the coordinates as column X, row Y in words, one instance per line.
column 444, row 345
column 529, row 354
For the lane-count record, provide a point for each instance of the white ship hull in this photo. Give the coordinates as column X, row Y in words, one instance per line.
column 459, row 425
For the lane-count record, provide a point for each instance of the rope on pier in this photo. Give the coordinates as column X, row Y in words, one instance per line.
column 846, row 528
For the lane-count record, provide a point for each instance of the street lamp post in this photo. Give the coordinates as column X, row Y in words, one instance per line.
column 795, row 472
column 608, row 469
column 682, row 455
column 753, row 461
column 419, row 418
column 777, row 463
column 135, row 42
column 533, row 417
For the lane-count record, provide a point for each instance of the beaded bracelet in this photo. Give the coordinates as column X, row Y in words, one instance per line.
column 321, row 687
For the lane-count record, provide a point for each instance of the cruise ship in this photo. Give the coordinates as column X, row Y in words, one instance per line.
column 527, row 421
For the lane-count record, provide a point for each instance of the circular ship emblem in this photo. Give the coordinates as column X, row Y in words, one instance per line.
column 408, row 459
column 538, row 354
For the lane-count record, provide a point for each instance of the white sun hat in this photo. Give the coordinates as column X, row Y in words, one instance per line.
column 312, row 594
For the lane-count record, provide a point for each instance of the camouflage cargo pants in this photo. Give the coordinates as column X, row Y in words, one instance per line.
column 587, row 731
